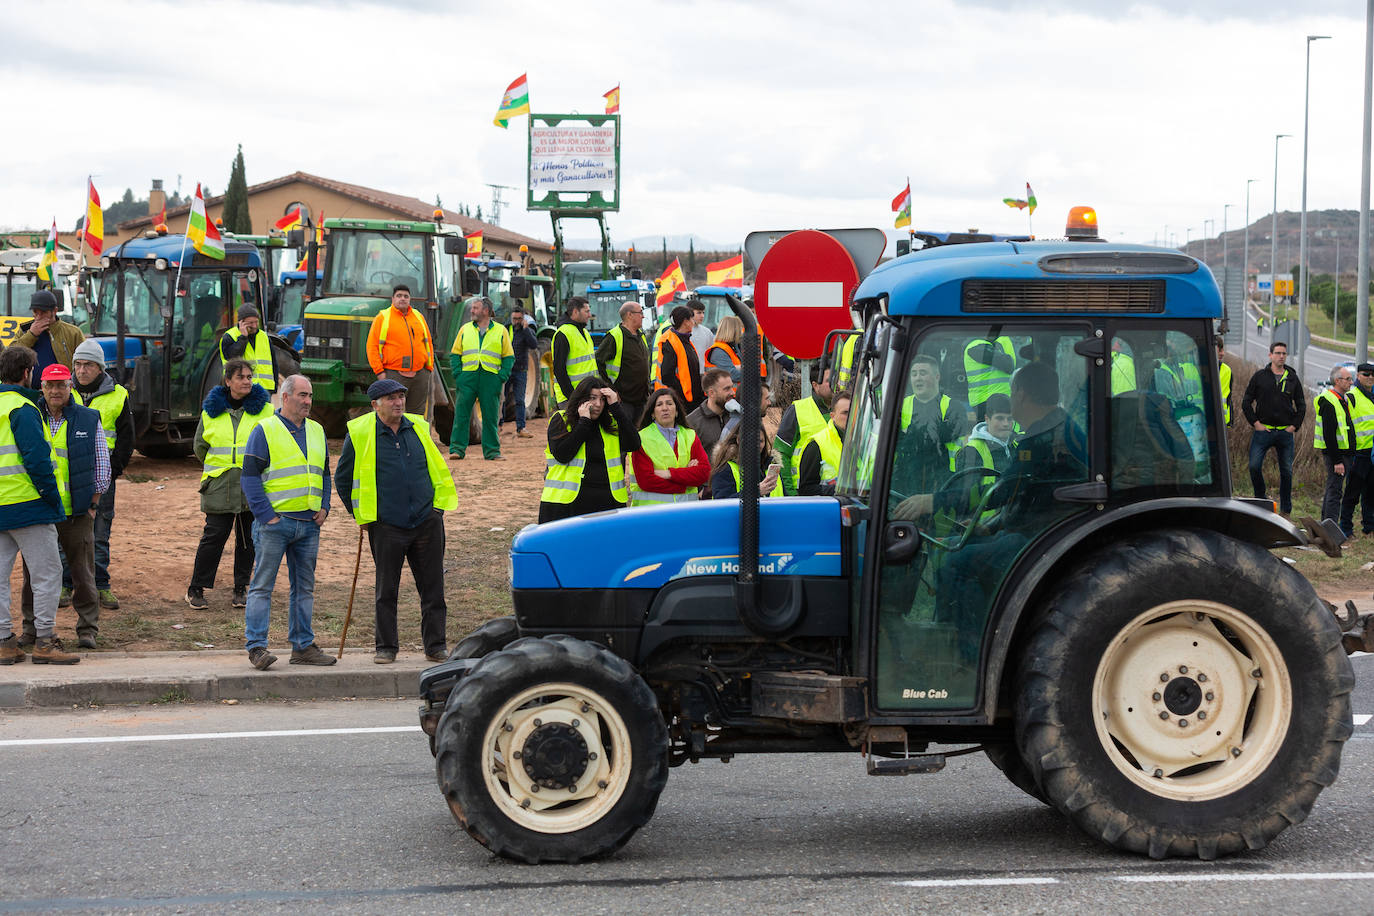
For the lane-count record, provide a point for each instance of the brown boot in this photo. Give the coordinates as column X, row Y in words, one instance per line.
column 49, row 652
column 10, row 651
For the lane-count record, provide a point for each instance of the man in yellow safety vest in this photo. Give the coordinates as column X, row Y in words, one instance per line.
column 1359, row 477
column 247, row 340
column 481, row 361
column 286, row 479
column 394, row 482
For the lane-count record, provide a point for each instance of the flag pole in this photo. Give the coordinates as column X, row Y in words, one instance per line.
column 181, row 259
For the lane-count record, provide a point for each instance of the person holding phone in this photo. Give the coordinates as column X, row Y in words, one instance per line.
column 725, row 474
column 585, row 455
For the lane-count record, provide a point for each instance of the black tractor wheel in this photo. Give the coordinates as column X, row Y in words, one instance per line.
column 443, row 422
column 552, row 750
column 490, row 637
column 1183, row 694
column 166, row 451
column 334, row 419
column 1007, row 758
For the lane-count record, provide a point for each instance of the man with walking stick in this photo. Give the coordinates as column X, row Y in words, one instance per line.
column 394, row 482
column 286, row 480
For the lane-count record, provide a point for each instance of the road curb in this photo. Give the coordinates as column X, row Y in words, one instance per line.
column 68, row 687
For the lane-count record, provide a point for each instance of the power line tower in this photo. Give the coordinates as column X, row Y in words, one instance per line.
column 496, row 202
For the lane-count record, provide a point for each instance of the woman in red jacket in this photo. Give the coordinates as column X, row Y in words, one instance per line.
column 670, row 464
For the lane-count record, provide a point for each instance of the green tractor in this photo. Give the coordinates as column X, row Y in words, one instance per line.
column 364, row 259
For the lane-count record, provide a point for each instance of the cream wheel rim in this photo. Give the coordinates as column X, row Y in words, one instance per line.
column 1192, row 700
column 572, row 727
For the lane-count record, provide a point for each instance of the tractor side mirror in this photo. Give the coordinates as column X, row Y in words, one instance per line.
column 455, row 245
column 520, row 288
column 900, row 542
column 295, row 238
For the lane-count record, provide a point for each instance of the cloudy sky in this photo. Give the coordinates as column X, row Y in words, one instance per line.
column 737, row 116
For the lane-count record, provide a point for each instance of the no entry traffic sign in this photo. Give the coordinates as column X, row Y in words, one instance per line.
column 802, row 291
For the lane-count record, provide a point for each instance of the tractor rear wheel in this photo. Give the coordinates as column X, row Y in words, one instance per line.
column 1183, row 694
column 552, row 750
column 1007, row 758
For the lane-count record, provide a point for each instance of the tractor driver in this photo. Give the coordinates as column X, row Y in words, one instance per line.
column 1051, row 452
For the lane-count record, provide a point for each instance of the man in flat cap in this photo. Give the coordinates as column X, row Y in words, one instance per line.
column 394, row 482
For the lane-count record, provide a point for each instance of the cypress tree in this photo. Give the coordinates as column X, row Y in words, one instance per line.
column 235, row 211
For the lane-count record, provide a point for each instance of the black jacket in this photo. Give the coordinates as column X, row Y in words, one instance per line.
column 632, row 384
column 124, row 424
column 1274, row 401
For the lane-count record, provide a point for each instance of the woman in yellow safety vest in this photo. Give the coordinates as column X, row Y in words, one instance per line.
column 725, row 470
column 670, row 465
column 724, row 353
column 584, row 468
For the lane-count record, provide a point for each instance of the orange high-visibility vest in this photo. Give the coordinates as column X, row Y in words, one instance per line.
column 684, row 372
column 734, row 358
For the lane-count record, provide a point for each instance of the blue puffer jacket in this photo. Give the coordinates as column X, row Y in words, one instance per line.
column 84, row 435
column 34, row 451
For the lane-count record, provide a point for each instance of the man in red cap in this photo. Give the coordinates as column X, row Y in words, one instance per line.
column 81, row 463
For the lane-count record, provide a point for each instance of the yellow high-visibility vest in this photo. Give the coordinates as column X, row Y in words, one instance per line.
column 15, row 484
column 562, row 482
column 109, row 405
column 1342, row 434
column 294, row 482
column 362, row 432
column 581, row 357
column 227, row 443
column 656, row 448
column 482, row 351
column 259, row 356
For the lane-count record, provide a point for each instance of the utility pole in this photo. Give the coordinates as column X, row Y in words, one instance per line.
column 1226, row 277
column 1362, row 283
column 1274, row 244
column 496, row 202
column 1302, row 230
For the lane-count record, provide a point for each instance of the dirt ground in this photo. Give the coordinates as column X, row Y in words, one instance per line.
column 158, row 524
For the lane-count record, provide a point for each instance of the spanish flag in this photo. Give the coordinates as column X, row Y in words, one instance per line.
column 726, row 273
column 474, row 244
column 671, row 283
column 289, row 221
column 161, row 218
column 95, row 220
column 515, row 102
column 612, row 100
column 901, row 205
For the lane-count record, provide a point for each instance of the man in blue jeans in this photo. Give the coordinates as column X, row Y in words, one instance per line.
column 286, row 479
column 1274, row 405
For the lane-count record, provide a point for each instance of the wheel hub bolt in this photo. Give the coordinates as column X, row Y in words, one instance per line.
column 525, row 803
column 1211, row 696
column 1182, row 669
column 585, row 708
column 534, row 787
column 515, row 755
column 537, row 723
column 1182, row 723
column 1202, row 678
column 592, row 755
column 575, row 723
column 1235, row 752
column 601, row 783
column 508, row 727
column 1164, row 677
column 1201, row 714
column 1164, row 715
column 1255, row 673
column 1159, row 774
column 1156, row 696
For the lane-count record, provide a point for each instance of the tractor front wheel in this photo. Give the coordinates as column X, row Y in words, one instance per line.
column 552, row 750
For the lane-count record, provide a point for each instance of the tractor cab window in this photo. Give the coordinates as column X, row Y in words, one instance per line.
column 1161, row 395
column 606, row 307
column 21, row 288
column 498, row 291
column 370, row 263
column 979, row 480
column 145, row 295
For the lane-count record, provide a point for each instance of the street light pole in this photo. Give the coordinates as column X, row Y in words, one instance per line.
column 1302, row 228
column 1336, row 294
column 1362, row 283
column 1245, row 275
column 1206, row 233
column 1274, row 244
column 1226, row 277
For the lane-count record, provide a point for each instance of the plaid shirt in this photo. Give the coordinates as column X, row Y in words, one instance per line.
column 102, row 455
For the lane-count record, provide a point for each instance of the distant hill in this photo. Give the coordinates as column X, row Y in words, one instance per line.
column 1324, row 229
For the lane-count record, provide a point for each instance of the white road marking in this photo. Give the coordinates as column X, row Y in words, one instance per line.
column 1362, row 719
column 974, row 882
column 209, row 736
column 1287, row 876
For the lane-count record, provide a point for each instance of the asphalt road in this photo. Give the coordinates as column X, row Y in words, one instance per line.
column 1319, row 361
column 353, row 821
